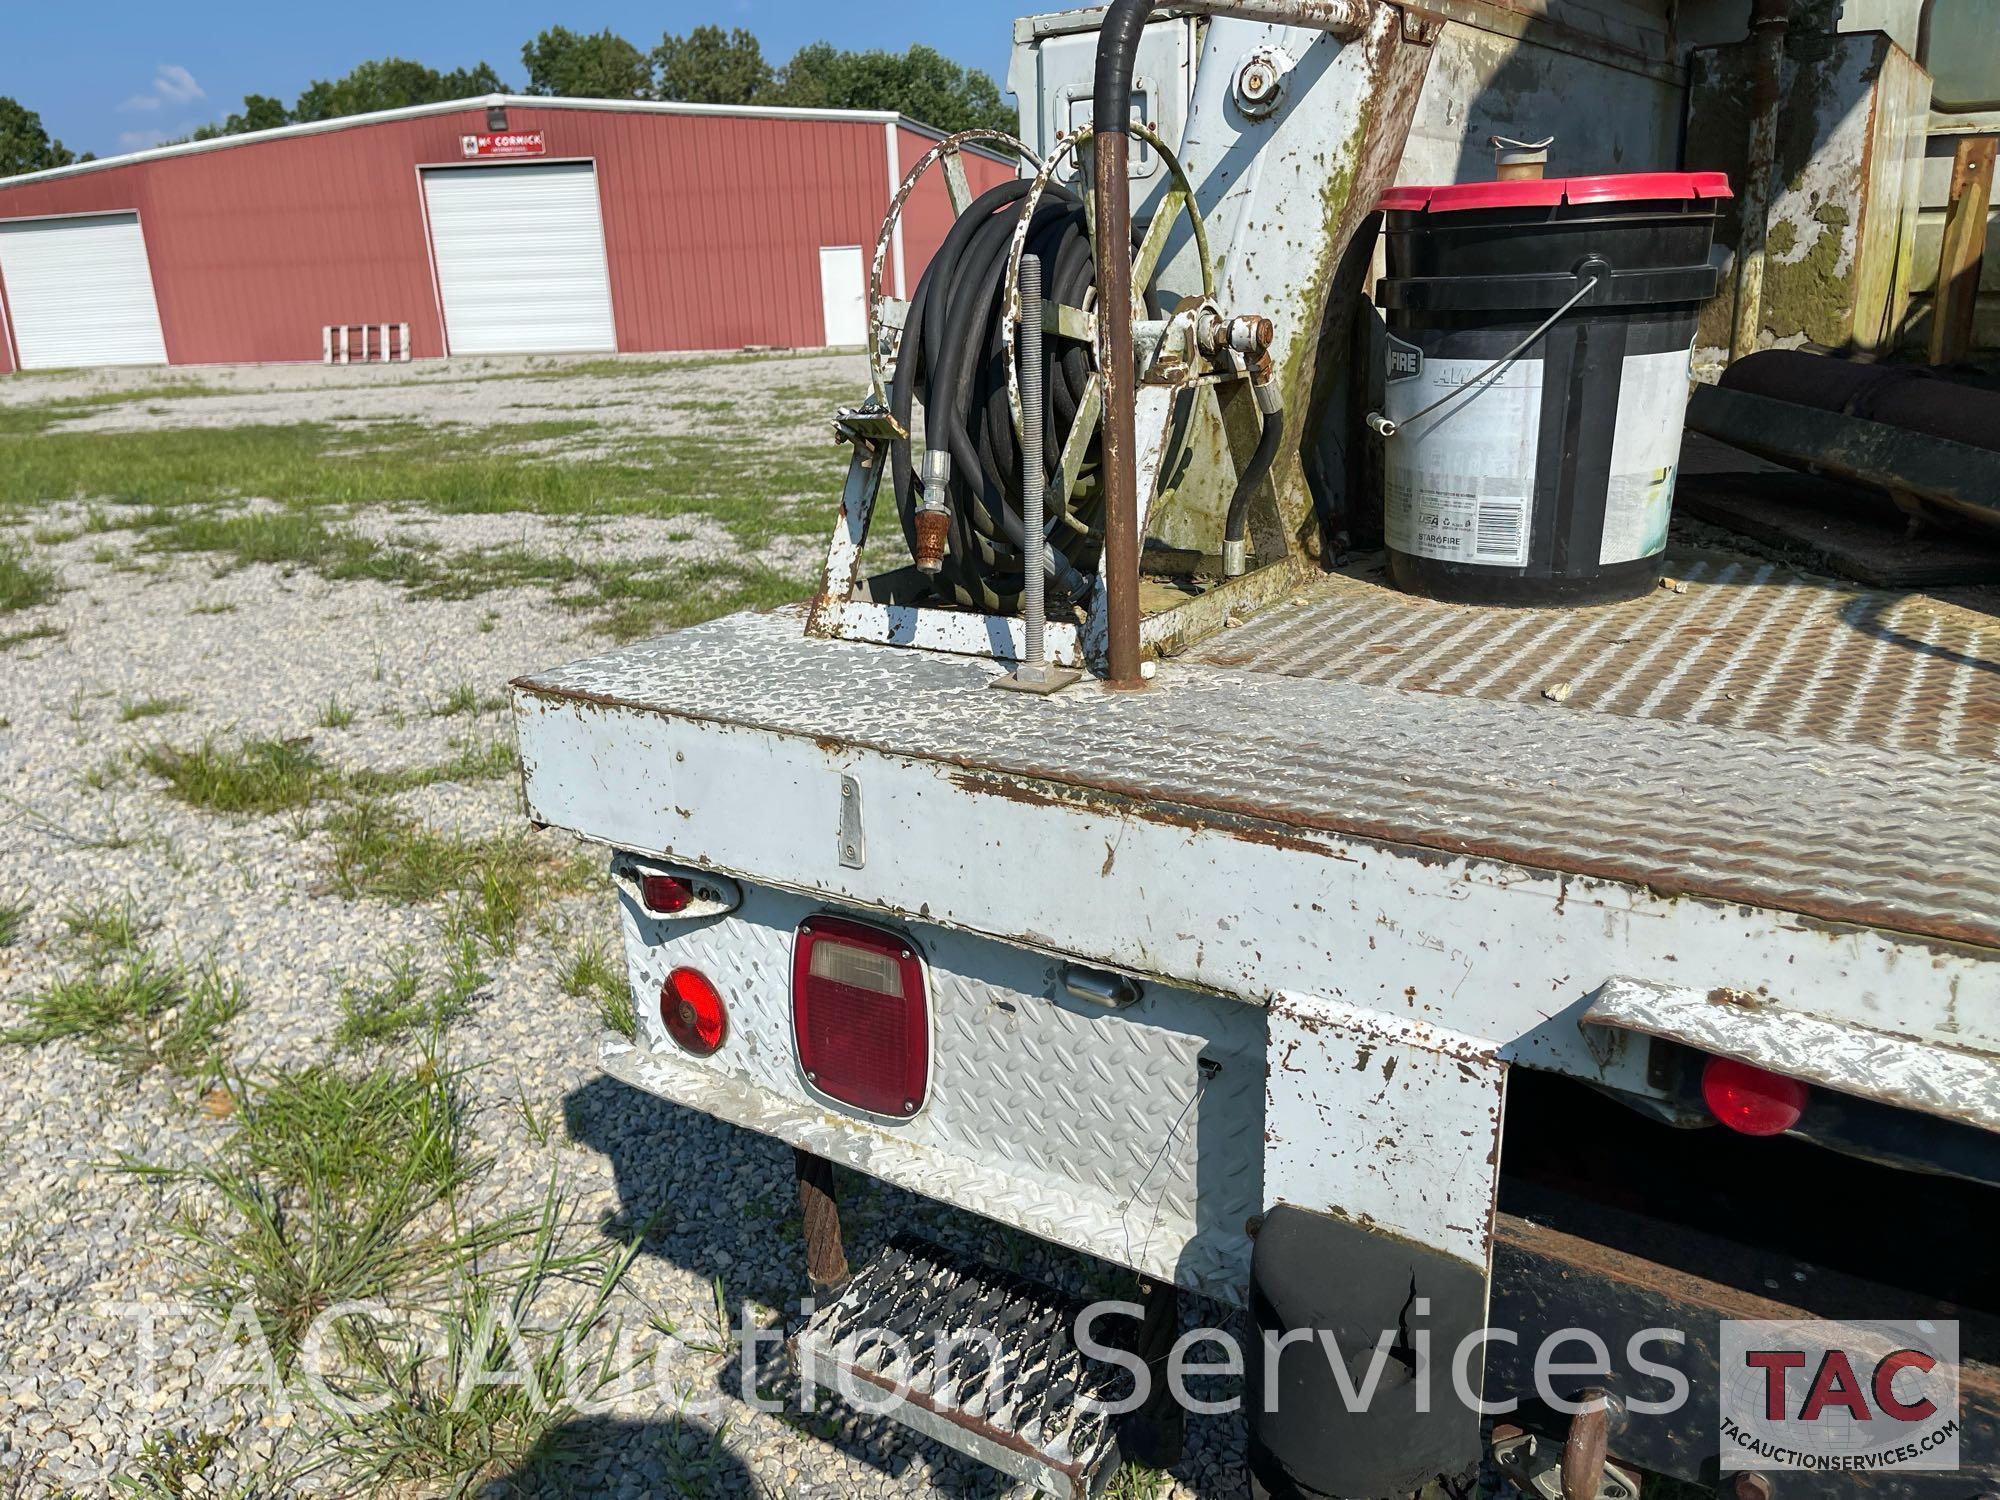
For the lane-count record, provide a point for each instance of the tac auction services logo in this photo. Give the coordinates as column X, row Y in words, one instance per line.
column 1840, row 1397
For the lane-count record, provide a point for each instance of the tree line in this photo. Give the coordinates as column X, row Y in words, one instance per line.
column 706, row 66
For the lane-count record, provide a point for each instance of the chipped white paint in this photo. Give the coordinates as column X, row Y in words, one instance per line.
column 1386, row 1120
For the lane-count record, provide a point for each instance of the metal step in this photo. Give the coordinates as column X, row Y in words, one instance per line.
column 1021, row 1415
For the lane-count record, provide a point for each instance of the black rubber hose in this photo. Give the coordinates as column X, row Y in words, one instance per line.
column 1117, row 52
column 955, row 364
column 1268, row 444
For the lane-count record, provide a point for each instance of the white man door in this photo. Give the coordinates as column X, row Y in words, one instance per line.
column 843, row 289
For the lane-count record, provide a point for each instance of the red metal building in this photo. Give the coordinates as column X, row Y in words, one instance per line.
column 487, row 226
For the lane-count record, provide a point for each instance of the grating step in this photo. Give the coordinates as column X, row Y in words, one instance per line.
column 1022, row 1413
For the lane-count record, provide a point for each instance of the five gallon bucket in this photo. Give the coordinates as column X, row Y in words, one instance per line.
column 1540, row 337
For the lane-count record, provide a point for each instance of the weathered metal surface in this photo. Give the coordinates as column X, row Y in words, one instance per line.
column 958, row 631
column 1132, row 1134
column 819, row 1220
column 1785, row 1037
column 1483, row 82
column 1751, row 648
column 1327, row 837
column 951, row 152
column 1843, row 191
column 1661, row 1276
column 1956, row 478
column 1022, row 1405
column 1381, row 1115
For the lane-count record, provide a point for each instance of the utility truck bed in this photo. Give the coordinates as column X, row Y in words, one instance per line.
column 1765, row 739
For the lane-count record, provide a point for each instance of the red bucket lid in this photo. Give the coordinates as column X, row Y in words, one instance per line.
column 1547, row 192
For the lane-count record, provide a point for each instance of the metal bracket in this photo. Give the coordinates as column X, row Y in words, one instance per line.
column 1536, row 1465
column 853, row 840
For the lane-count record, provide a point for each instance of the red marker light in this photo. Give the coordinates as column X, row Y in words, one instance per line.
column 693, row 1012
column 1751, row 1101
column 666, row 895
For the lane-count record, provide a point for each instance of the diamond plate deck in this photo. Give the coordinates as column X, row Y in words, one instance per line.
column 1750, row 645
column 1858, row 785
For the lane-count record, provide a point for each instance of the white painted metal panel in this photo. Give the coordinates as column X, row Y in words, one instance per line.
column 81, row 292
column 1385, row 1119
column 843, row 290
column 520, row 259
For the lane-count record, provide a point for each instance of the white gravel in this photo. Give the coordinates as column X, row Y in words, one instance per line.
column 89, row 1272
column 259, row 652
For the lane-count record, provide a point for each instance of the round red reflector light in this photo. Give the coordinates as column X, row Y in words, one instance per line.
column 693, row 1012
column 1751, row 1101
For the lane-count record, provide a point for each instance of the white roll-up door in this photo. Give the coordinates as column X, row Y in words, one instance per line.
column 520, row 259
column 81, row 292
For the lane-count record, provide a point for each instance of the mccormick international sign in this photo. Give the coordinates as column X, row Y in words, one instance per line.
column 519, row 143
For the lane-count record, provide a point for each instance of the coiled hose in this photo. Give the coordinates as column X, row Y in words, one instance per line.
column 954, row 360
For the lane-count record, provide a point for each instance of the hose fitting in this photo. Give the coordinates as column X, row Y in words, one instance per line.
column 933, row 516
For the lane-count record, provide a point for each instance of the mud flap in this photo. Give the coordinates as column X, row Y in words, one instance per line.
column 1370, row 1279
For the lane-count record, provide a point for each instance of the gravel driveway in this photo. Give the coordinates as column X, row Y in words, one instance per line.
column 144, row 662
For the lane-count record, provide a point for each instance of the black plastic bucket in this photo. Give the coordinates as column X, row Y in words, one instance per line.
column 1540, row 334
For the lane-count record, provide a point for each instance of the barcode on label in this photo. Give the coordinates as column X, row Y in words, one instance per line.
column 1502, row 533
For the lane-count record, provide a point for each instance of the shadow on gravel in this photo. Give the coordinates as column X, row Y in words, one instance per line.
column 614, row 1456
column 723, row 1204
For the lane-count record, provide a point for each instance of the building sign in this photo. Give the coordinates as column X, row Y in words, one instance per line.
column 517, row 143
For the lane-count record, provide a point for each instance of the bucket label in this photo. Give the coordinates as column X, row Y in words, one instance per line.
column 1645, row 455
column 1406, row 361
column 1461, row 481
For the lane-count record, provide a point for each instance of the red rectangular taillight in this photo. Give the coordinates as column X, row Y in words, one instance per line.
column 861, row 1016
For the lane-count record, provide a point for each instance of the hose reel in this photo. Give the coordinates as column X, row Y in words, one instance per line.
column 957, row 356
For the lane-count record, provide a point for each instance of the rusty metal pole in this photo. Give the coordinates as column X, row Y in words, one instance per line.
column 826, row 1257
column 1769, row 24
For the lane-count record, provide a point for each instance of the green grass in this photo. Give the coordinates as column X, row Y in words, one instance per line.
column 472, row 760
column 342, row 1130
column 13, row 917
column 132, row 710
column 23, row 584
column 328, row 1191
column 336, row 715
column 462, row 700
column 138, row 1012
column 259, row 777
column 105, row 930
column 484, row 1402
column 593, row 971
column 404, row 1002
column 495, row 882
column 12, row 638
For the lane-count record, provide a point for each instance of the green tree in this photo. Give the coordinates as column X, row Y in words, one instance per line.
column 569, row 65
column 921, row 83
column 25, row 145
column 259, row 112
column 390, row 83
column 711, row 66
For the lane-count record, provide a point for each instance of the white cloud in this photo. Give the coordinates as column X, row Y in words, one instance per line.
column 172, row 84
column 177, row 83
column 140, row 140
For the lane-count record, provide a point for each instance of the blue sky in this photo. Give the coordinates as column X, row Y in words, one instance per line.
column 116, row 75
